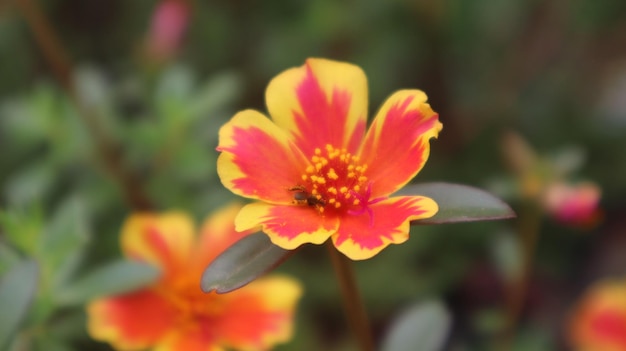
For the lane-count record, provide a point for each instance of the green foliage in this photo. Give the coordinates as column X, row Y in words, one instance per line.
column 423, row 326
column 115, row 278
column 17, row 290
column 241, row 263
column 459, row 203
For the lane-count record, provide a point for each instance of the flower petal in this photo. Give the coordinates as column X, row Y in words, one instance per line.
column 163, row 240
column 287, row 226
column 189, row 337
column 259, row 315
column 599, row 321
column 396, row 146
column 132, row 321
column 363, row 236
column 322, row 102
column 258, row 161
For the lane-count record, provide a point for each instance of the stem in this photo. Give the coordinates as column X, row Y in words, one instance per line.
column 352, row 303
column 57, row 58
column 529, row 226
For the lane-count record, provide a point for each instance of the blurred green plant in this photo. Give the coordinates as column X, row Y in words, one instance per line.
column 162, row 131
column 42, row 277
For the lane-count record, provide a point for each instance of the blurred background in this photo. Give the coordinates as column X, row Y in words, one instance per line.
column 107, row 107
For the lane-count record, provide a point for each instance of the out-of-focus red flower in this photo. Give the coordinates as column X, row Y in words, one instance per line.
column 174, row 314
column 599, row 320
column 315, row 169
column 574, row 204
column 167, row 27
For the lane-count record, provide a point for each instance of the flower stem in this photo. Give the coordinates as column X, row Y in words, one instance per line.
column 529, row 227
column 352, row 303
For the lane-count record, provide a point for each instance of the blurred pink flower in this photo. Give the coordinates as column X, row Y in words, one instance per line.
column 599, row 320
column 169, row 22
column 173, row 314
column 575, row 204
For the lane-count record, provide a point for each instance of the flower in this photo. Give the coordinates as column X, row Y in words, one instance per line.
column 167, row 28
column 599, row 320
column 174, row 314
column 575, row 204
column 317, row 172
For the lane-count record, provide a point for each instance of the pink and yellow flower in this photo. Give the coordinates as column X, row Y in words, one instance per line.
column 174, row 314
column 599, row 321
column 316, row 171
column 574, row 204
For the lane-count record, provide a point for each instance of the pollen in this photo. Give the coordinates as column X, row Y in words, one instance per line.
column 336, row 180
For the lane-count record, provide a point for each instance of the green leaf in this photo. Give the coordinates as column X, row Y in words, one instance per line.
column 8, row 257
column 65, row 239
column 22, row 228
column 459, row 203
column 422, row 327
column 30, row 183
column 216, row 93
column 114, row 278
column 17, row 291
column 243, row 262
column 176, row 84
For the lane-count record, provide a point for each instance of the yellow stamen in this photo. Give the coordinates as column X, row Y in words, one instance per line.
column 332, row 174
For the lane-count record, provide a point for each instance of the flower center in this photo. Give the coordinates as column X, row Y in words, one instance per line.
column 334, row 181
